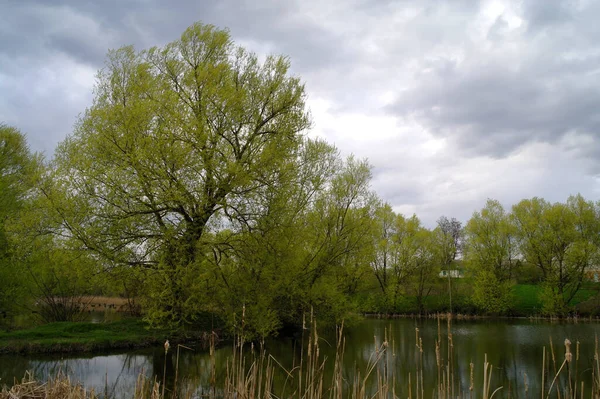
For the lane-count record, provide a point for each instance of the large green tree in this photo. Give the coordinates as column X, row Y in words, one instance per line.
column 184, row 149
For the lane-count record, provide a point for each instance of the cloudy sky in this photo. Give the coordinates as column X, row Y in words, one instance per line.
column 453, row 102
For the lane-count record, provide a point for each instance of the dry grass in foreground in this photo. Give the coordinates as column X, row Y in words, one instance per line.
column 55, row 388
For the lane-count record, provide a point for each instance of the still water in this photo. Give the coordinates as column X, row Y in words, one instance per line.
column 513, row 347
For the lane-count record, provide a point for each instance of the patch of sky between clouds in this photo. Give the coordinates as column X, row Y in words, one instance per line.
column 494, row 11
column 352, row 131
column 261, row 49
column 458, row 189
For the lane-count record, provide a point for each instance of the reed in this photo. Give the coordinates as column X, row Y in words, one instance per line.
column 58, row 387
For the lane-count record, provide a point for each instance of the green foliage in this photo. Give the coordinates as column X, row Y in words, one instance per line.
column 490, row 294
column 180, row 141
column 490, row 253
column 490, row 242
column 18, row 170
column 404, row 260
column 306, row 254
column 448, row 236
column 552, row 301
column 562, row 241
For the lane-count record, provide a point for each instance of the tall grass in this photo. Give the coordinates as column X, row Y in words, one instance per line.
column 252, row 373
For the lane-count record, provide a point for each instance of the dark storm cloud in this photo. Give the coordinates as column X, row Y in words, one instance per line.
column 494, row 101
column 37, row 34
column 541, row 14
column 453, row 101
column 86, row 29
column 494, row 110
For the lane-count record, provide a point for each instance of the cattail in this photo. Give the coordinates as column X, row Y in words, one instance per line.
column 568, row 354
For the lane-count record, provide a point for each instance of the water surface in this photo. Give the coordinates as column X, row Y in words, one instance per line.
column 514, row 348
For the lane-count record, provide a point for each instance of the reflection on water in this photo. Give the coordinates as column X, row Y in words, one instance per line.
column 513, row 347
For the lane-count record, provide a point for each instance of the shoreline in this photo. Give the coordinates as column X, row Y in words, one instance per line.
column 87, row 337
column 81, row 337
column 460, row 316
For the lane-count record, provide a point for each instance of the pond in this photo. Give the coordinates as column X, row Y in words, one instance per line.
column 515, row 349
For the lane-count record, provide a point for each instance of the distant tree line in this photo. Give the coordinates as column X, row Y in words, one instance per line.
column 190, row 184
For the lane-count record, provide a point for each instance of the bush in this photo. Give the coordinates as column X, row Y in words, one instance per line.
column 490, row 294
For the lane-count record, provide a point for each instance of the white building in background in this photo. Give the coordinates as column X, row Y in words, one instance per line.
column 455, row 273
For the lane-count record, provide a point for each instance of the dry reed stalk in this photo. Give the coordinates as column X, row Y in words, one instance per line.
column 543, row 370
column 595, row 389
column 55, row 388
column 337, row 378
column 569, row 359
column 417, row 361
column 177, row 368
column 471, row 379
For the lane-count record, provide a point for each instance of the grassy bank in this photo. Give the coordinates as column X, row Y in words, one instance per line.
column 84, row 336
column 526, row 301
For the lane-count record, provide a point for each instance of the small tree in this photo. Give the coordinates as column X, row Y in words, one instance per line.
column 449, row 241
column 490, row 251
column 491, row 294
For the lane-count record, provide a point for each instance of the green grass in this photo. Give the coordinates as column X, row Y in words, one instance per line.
column 583, row 295
column 69, row 337
column 527, row 298
column 81, row 337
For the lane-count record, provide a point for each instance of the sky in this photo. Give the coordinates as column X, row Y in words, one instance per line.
column 452, row 101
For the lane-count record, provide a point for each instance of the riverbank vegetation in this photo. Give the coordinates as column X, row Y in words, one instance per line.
column 127, row 333
column 79, row 336
column 190, row 186
column 87, row 337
